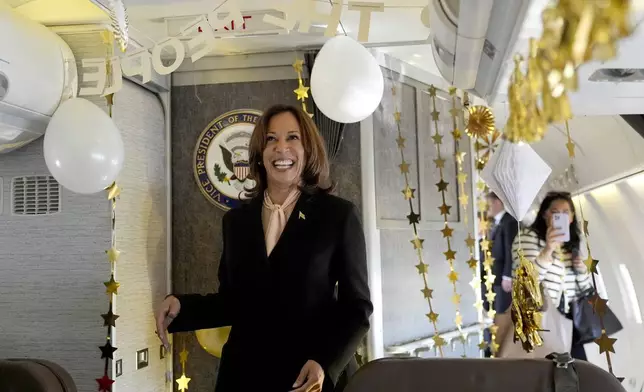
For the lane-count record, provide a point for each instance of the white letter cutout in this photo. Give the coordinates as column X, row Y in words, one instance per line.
column 234, row 14
column 143, row 68
column 205, row 37
column 308, row 14
column 99, row 76
column 180, row 55
column 365, row 10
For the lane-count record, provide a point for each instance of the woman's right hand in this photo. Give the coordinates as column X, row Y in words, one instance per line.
column 553, row 239
column 167, row 312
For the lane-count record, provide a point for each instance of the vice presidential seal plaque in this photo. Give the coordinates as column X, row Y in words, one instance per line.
column 221, row 158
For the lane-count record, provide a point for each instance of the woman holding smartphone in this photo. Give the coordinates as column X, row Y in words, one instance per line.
column 553, row 244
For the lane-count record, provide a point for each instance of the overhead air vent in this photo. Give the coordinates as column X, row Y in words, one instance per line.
column 35, row 195
column 617, row 75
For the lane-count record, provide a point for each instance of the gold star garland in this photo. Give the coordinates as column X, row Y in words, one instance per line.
column 414, row 220
column 604, row 342
column 182, row 382
column 302, row 92
column 463, row 199
column 450, row 255
column 486, row 255
column 111, row 286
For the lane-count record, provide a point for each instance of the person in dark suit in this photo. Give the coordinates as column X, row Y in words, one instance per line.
column 502, row 232
column 283, row 255
column 503, row 229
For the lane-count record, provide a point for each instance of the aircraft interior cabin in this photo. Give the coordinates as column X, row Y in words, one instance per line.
column 321, row 195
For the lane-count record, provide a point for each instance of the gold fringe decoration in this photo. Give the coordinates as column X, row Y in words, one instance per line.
column 527, row 303
column 574, row 32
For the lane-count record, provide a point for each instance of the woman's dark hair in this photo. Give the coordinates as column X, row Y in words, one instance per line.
column 540, row 226
column 315, row 174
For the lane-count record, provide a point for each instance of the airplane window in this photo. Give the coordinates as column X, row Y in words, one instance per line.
column 628, row 292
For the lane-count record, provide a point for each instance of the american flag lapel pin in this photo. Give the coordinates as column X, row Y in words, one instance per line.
column 301, row 215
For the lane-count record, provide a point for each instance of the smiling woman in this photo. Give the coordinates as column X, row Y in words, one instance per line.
column 293, row 271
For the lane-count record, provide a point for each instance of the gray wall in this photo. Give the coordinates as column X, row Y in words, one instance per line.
column 404, row 307
column 196, row 224
column 52, row 268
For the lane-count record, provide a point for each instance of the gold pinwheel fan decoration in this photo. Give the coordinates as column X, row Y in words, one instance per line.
column 480, row 122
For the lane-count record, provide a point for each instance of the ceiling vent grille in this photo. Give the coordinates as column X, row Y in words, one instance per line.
column 35, row 195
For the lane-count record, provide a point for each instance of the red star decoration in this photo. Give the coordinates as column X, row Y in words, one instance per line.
column 104, row 384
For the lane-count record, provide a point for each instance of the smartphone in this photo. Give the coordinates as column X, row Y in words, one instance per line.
column 561, row 224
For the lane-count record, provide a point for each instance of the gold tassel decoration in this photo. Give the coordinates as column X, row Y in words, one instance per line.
column 527, row 303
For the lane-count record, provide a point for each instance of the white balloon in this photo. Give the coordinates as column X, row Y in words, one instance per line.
column 83, row 148
column 346, row 81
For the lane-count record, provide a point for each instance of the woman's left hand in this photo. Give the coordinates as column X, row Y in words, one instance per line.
column 311, row 378
column 578, row 264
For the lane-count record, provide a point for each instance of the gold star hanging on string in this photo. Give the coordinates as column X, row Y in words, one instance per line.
column 571, row 148
column 432, row 91
column 113, row 191
column 112, row 286
column 413, row 218
column 109, row 318
column 439, row 341
column 442, row 185
column 447, row 232
column 404, row 167
column 462, row 178
column 444, row 209
column 570, row 145
column 458, row 319
column 436, row 115
column 463, row 199
column 605, row 343
column 469, row 241
column 456, row 299
column 113, row 254
column 427, row 293
column 400, row 141
column 422, row 268
column 418, row 243
column 478, row 305
column 450, row 254
column 591, row 264
column 182, row 383
column 432, row 316
column 408, row 193
column 438, row 139
column 397, row 116
column 453, row 276
column 298, row 66
column 440, row 163
column 599, row 305
column 302, row 92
